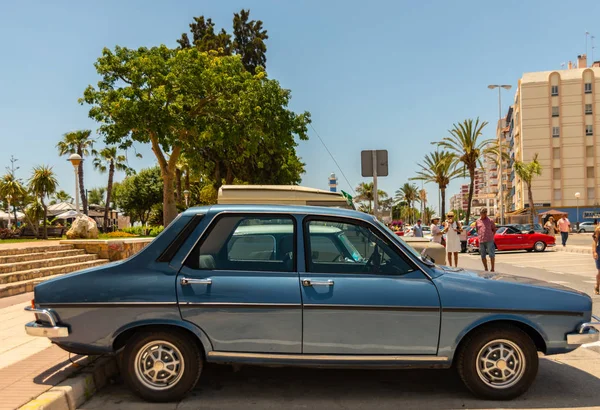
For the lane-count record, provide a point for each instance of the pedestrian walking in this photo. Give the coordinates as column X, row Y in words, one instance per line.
column 564, row 226
column 418, row 229
column 486, row 229
column 436, row 232
column 452, row 230
column 595, row 252
column 550, row 226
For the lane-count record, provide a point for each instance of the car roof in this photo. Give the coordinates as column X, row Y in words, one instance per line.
column 285, row 209
column 281, row 228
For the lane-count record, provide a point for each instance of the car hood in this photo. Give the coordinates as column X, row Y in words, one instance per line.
column 502, row 277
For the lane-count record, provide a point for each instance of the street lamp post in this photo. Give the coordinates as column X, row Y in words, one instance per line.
column 8, row 198
column 76, row 159
column 186, row 195
column 577, row 195
column 499, row 87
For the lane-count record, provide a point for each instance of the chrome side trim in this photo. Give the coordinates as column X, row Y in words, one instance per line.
column 512, row 311
column 243, row 305
column 220, row 356
column 106, row 304
column 372, row 307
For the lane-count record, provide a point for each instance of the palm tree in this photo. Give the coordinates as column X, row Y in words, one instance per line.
column 527, row 171
column 61, row 196
column 427, row 214
column 78, row 142
column 408, row 193
column 109, row 160
column 43, row 183
column 464, row 143
column 365, row 193
column 438, row 168
column 10, row 185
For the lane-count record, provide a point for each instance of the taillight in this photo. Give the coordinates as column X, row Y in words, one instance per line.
column 33, row 303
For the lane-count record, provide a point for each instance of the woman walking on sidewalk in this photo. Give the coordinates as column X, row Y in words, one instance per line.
column 595, row 252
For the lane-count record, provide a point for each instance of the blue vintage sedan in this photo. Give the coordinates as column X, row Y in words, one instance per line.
column 305, row 286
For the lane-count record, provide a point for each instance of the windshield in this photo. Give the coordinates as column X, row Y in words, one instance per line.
column 408, row 248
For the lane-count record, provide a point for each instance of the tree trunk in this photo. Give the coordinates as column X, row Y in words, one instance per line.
column 531, row 205
column 229, row 175
column 167, row 170
column 44, row 220
column 111, row 173
column 84, row 201
column 443, row 194
column 471, row 189
column 178, row 196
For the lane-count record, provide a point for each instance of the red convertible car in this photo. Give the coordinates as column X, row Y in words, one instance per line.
column 509, row 238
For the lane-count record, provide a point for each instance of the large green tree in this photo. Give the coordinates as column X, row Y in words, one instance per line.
column 44, row 184
column 78, row 142
column 468, row 148
column 225, row 119
column 527, row 171
column 137, row 194
column 438, row 168
column 364, row 193
column 109, row 160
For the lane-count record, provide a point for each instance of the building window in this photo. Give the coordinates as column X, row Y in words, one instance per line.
column 590, row 172
column 589, row 151
column 555, row 111
column 588, row 88
column 591, row 193
column 555, row 132
column 556, row 173
column 589, row 130
column 557, row 194
column 554, row 90
column 588, row 108
column 556, row 153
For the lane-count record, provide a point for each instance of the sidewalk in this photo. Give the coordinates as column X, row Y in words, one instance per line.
column 29, row 365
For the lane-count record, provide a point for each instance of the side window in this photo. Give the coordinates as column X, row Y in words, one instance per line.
column 349, row 247
column 247, row 243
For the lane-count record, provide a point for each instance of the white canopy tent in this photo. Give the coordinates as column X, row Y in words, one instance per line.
column 5, row 217
column 67, row 215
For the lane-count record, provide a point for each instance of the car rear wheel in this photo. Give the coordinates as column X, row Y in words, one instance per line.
column 582, row 231
column 162, row 366
column 539, row 246
column 498, row 363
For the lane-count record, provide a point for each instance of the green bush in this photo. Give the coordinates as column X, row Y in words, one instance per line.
column 135, row 230
column 156, row 230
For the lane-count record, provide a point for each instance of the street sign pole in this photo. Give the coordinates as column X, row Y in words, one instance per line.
column 375, row 196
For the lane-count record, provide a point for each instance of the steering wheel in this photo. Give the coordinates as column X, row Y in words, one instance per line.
column 373, row 261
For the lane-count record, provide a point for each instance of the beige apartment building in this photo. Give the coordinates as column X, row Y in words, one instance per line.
column 556, row 114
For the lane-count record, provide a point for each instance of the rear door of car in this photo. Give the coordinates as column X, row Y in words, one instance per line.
column 240, row 285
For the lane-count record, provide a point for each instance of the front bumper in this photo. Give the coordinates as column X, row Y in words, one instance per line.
column 53, row 330
column 588, row 332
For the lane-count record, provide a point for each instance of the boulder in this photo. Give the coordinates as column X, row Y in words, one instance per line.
column 83, row 227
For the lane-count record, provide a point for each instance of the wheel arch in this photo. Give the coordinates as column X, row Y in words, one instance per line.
column 537, row 336
column 124, row 334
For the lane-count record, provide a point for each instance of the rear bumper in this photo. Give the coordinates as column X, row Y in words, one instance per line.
column 51, row 330
column 588, row 332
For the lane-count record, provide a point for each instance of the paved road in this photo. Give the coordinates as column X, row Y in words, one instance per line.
column 564, row 381
column 577, row 239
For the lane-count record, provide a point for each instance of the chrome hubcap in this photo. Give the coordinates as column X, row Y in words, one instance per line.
column 500, row 364
column 159, row 365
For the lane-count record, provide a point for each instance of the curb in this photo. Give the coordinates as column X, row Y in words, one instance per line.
column 73, row 392
column 585, row 250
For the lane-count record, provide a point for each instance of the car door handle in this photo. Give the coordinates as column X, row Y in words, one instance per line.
column 308, row 282
column 191, row 281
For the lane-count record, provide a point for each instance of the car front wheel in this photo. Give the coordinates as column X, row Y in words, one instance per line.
column 162, row 366
column 498, row 363
column 539, row 246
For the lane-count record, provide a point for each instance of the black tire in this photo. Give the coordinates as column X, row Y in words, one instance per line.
column 181, row 347
column 476, row 346
column 539, row 246
column 582, row 231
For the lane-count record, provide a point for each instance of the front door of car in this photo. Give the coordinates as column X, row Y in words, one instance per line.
column 503, row 239
column 240, row 285
column 362, row 295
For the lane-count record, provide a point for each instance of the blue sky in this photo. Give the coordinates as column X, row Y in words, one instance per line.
column 388, row 75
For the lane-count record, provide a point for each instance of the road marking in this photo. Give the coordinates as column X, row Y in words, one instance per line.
column 558, row 282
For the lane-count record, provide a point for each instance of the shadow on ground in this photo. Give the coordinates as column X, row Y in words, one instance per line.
column 557, row 386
